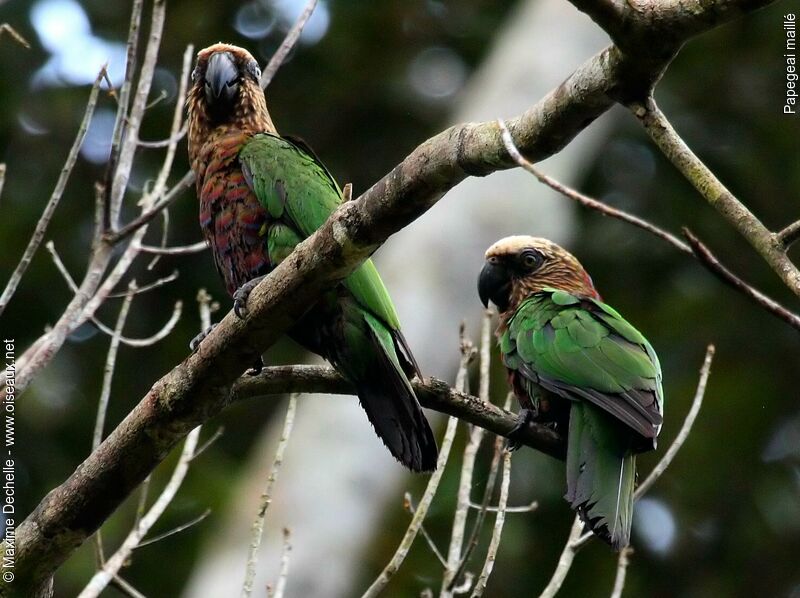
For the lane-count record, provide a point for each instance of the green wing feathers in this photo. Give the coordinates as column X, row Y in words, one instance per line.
column 583, row 349
column 295, row 187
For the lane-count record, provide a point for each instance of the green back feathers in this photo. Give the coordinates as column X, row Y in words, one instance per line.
column 581, row 348
column 294, row 187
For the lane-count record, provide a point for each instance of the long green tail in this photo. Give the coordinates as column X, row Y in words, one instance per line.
column 601, row 470
column 369, row 354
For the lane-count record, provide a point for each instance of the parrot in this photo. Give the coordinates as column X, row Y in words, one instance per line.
column 260, row 194
column 575, row 364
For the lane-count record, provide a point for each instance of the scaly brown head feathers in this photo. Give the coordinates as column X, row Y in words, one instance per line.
column 517, row 267
column 225, row 97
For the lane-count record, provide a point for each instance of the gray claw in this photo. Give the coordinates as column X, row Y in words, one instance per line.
column 195, row 342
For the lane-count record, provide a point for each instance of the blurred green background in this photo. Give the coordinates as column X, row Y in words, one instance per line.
column 370, row 81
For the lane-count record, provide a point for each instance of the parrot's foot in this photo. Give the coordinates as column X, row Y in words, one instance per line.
column 514, row 436
column 257, row 366
column 195, row 342
column 241, row 295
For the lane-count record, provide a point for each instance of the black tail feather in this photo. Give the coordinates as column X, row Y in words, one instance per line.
column 392, row 408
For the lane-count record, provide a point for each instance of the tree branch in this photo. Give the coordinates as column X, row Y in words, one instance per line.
column 716, row 194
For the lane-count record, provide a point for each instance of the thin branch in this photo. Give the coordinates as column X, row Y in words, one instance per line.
column 283, row 575
column 787, row 236
column 184, row 250
column 713, row 264
column 715, row 193
column 126, row 588
column 287, row 45
column 497, row 531
column 467, row 353
column 695, row 248
column 147, row 215
column 55, row 197
column 432, row 393
column 175, row 530
column 165, row 330
column 622, row 568
column 108, row 370
column 564, row 561
column 408, row 504
column 120, row 122
column 151, row 286
column 530, row 507
column 488, row 492
column 168, row 141
column 2, row 177
column 585, row 200
column 686, row 428
column 112, row 566
column 468, row 467
column 130, row 131
column 266, row 498
column 6, row 28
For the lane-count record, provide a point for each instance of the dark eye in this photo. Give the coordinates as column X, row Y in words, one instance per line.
column 530, row 259
column 253, row 70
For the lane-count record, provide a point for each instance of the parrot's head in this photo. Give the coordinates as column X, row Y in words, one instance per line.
column 517, row 267
column 226, row 94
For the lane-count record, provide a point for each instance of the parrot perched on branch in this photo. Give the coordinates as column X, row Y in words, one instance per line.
column 575, row 363
column 260, row 195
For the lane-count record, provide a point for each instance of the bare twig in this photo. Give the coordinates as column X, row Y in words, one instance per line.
column 564, row 561
column 467, row 353
column 168, row 141
column 283, row 575
column 713, row 264
column 105, row 393
column 120, row 122
column 532, row 506
column 126, row 588
column 287, row 45
column 6, row 28
column 683, row 434
column 585, row 200
column 151, row 286
column 147, row 215
column 132, row 122
column 2, row 177
column 694, row 248
column 55, row 197
column 184, row 250
column 715, row 193
column 175, row 530
column 112, row 566
column 408, row 504
column 483, row 508
column 131, row 342
column 266, row 498
column 494, row 542
column 467, row 467
column 789, row 235
column 622, row 568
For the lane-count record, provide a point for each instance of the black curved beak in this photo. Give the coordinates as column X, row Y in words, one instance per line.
column 222, row 80
column 494, row 284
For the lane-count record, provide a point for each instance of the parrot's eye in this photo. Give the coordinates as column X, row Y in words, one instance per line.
column 530, row 259
column 253, row 70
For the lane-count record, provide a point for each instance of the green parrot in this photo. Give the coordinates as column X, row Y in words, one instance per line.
column 576, row 364
column 260, row 195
